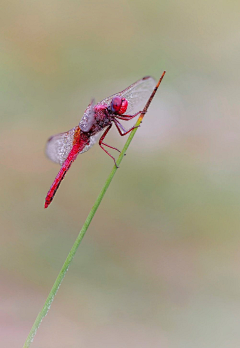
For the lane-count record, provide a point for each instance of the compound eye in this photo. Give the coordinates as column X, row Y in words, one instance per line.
column 123, row 107
column 116, row 104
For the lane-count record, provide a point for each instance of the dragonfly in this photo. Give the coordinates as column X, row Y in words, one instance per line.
column 97, row 120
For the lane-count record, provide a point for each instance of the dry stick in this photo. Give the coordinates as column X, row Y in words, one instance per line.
column 72, row 252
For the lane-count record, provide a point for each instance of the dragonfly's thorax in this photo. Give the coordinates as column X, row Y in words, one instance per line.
column 103, row 118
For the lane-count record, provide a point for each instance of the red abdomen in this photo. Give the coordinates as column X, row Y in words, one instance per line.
column 66, row 165
column 77, row 147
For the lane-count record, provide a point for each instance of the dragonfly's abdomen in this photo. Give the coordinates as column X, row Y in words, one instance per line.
column 80, row 142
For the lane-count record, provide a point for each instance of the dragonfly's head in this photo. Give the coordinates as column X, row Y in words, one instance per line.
column 119, row 105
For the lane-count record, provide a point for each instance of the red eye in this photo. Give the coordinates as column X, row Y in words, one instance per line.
column 123, row 107
column 116, row 104
column 119, row 105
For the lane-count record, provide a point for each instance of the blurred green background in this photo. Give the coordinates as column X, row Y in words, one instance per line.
column 160, row 264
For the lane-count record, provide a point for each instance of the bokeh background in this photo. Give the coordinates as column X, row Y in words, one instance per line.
column 160, row 263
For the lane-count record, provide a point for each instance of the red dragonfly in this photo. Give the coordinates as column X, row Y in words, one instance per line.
column 96, row 122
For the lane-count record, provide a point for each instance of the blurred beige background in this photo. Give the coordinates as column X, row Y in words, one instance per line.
column 160, row 264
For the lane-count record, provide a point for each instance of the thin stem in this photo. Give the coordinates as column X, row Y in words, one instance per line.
column 72, row 252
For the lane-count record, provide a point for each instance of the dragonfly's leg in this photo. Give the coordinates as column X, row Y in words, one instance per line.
column 101, row 143
column 111, row 147
column 129, row 117
column 114, row 148
column 121, row 129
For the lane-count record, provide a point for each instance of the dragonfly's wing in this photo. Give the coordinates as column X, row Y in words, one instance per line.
column 136, row 94
column 88, row 118
column 59, row 146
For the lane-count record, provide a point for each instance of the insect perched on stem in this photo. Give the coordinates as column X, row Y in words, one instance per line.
column 96, row 122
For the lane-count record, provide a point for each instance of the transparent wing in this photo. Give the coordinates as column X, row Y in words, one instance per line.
column 136, row 94
column 59, row 146
column 88, row 118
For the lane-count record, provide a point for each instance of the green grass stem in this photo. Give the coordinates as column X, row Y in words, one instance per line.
column 86, row 224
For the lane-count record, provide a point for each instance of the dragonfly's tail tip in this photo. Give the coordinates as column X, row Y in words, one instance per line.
column 46, row 204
